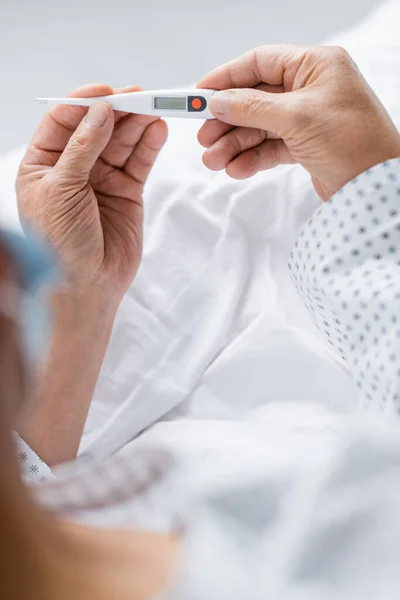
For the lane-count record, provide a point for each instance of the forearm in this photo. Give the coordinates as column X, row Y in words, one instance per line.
column 52, row 420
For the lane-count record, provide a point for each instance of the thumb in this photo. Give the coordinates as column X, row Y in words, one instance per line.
column 251, row 108
column 86, row 144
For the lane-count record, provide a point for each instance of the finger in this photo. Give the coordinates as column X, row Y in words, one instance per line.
column 109, row 182
column 86, row 145
column 127, row 133
column 254, row 108
column 60, row 121
column 231, row 145
column 267, row 155
column 211, row 131
column 265, row 64
column 143, row 157
column 119, row 114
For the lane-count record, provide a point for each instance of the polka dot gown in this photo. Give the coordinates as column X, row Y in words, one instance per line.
column 32, row 467
column 346, row 268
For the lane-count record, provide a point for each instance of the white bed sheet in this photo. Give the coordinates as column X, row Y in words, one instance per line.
column 213, row 326
column 212, row 343
column 212, row 329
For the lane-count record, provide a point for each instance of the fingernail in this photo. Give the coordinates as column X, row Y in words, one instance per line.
column 97, row 114
column 220, row 102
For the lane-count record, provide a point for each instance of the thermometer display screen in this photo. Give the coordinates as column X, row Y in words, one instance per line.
column 165, row 103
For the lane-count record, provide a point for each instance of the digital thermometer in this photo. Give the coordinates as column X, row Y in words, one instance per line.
column 187, row 104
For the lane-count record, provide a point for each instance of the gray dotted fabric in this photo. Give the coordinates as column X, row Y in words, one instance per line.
column 346, row 267
column 33, row 468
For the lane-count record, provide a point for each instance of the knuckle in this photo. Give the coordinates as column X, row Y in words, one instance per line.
column 259, row 52
column 256, row 52
column 330, row 56
column 78, row 142
column 256, row 162
column 253, row 103
column 233, row 142
column 147, row 156
column 338, row 55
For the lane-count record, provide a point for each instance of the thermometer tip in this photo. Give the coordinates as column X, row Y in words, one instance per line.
column 41, row 100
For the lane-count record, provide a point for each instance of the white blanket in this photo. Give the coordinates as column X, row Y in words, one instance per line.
column 211, row 328
column 212, row 343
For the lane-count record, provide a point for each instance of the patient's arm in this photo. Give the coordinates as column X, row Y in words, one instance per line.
column 42, row 558
column 52, row 420
column 80, row 184
column 346, row 266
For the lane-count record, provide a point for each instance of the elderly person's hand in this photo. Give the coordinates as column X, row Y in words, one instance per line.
column 309, row 106
column 80, row 184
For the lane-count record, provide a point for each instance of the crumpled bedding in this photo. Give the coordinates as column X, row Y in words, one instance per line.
column 332, row 531
column 212, row 328
column 212, row 353
column 286, row 491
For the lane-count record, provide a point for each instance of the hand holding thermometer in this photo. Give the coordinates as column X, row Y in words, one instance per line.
column 187, row 104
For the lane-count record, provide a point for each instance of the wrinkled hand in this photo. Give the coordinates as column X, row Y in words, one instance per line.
column 302, row 105
column 81, row 183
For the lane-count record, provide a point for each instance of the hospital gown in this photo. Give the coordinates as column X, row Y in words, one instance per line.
column 329, row 533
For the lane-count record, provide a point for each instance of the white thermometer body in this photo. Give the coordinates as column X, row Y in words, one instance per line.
column 186, row 104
